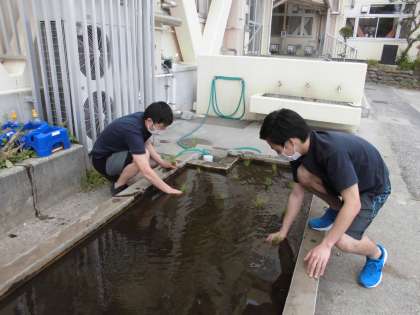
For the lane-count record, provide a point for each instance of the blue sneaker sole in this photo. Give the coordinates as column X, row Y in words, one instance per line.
column 327, row 228
column 380, row 278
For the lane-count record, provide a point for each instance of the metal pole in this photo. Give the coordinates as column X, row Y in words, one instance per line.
column 115, row 63
column 129, row 64
column 123, row 76
column 53, row 66
column 63, row 66
column 31, row 58
column 42, row 54
column 74, row 71
column 135, row 59
column 13, row 22
column 6, row 47
column 100, row 106
column 140, row 54
column 87, row 58
column 104, row 41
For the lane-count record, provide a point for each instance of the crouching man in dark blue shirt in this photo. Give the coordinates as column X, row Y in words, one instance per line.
column 124, row 148
column 345, row 171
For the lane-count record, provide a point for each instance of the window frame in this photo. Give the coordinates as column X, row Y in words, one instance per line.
column 286, row 14
column 400, row 15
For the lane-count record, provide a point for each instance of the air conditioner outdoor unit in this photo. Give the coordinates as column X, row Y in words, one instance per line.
column 99, row 92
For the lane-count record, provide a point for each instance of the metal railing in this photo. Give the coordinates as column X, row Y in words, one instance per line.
column 336, row 48
column 96, row 60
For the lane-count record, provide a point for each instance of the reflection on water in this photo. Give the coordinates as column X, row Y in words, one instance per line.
column 202, row 253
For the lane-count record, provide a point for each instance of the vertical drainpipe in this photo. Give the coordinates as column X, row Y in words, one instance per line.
column 327, row 25
column 266, row 25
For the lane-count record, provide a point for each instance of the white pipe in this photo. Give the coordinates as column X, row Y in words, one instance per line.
column 15, row 91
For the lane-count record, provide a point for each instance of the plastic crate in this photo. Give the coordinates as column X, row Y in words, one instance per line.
column 45, row 139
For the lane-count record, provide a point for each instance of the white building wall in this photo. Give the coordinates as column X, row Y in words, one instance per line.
column 369, row 48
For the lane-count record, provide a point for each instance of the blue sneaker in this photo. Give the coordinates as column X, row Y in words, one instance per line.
column 325, row 222
column 371, row 274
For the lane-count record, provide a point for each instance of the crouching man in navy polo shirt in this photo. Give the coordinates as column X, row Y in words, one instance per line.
column 345, row 171
column 124, row 148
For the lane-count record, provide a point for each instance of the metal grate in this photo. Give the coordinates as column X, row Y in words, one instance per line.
column 97, row 112
column 58, row 70
column 99, row 53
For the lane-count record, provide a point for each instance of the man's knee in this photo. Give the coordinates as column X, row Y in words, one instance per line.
column 305, row 177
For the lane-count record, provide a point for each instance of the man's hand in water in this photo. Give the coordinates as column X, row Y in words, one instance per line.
column 276, row 238
column 173, row 191
column 317, row 260
column 166, row 164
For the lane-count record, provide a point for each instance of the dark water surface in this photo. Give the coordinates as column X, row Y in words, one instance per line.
column 201, row 253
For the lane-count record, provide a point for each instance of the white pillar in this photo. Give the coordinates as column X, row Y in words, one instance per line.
column 189, row 33
column 234, row 35
column 266, row 27
column 214, row 30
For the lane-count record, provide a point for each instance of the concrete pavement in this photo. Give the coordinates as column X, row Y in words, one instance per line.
column 394, row 128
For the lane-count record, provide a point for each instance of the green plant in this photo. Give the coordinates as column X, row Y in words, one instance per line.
column 412, row 23
column 268, row 182
column 170, row 158
column 417, row 65
column 247, row 162
column 72, row 137
column 183, row 188
column 260, row 202
column 92, row 180
column 404, row 63
column 274, row 168
column 194, row 142
column 346, row 32
column 372, row 62
column 290, row 184
column 12, row 152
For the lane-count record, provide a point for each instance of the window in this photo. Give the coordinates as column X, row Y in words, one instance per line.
column 279, row 9
column 277, row 25
column 406, row 25
column 293, row 25
column 409, row 8
column 385, row 9
column 367, row 27
column 307, row 25
column 299, row 24
column 387, row 28
column 350, row 22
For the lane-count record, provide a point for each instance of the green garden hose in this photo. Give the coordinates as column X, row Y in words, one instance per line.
column 213, row 104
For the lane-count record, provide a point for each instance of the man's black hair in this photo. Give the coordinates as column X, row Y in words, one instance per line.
column 160, row 113
column 281, row 125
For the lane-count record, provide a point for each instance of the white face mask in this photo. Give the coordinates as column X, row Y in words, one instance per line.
column 153, row 130
column 295, row 156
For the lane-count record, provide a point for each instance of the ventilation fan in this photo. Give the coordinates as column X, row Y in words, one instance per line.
column 97, row 112
column 100, row 53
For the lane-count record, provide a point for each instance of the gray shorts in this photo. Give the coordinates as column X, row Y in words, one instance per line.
column 111, row 167
column 371, row 204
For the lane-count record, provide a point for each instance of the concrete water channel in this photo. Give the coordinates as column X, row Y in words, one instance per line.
column 201, row 253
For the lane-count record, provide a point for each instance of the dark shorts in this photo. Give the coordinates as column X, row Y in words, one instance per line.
column 112, row 166
column 371, row 204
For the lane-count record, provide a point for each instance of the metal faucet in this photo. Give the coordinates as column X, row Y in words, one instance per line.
column 339, row 89
column 279, row 84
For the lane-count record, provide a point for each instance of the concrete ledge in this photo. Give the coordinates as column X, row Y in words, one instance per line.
column 303, row 290
column 50, row 249
column 57, row 176
column 56, row 245
column 16, row 202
